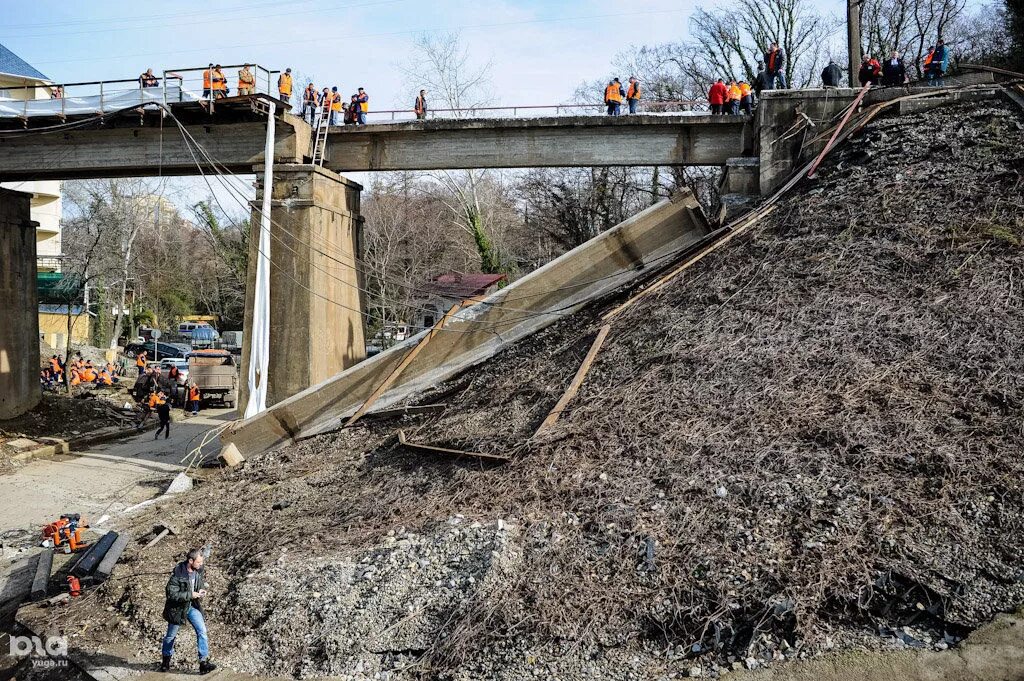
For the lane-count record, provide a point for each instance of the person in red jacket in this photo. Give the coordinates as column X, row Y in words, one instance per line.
column 717, row 96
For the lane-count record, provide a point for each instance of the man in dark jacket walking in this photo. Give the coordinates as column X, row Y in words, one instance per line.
column 185, row 590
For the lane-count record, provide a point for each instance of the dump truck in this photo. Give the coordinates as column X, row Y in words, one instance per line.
column 216, row 374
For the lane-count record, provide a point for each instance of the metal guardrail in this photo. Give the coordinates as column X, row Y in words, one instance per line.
column 681, row 106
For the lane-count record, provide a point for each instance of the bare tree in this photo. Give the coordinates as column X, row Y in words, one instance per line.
column 909, row 27
column 442, row 65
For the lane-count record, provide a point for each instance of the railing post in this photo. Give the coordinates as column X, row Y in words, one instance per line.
column 63, row 99
column 101, row 96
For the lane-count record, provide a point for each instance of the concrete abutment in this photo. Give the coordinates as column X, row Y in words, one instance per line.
column 316, row 279
column 19, row 301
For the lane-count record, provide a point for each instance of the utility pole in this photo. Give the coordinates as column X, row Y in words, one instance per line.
column 853, row 38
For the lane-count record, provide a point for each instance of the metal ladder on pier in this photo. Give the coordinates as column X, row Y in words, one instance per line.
column 319, row 141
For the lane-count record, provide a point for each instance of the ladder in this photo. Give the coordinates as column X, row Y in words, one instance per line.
column 319, row 141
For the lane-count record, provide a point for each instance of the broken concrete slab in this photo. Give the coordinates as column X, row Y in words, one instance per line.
column 647, row 241
column 181, row 483
column 21, row 444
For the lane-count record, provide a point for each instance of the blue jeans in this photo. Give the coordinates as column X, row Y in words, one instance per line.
column 195, row 618
column 632, row 105
column 781, row 78
column 362, row 118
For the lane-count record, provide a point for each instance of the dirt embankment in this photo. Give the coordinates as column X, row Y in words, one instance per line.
column 811, row 442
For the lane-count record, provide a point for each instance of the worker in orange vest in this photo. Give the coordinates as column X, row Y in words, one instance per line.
column 55, row 369
column 194, row 397
column 208, row 81
column 337, row 106
column 633, row 94
column 364, row 106
column 219, row 82
column 613, row 95
column 246, row 81
column 158, row 402
column 284, row 86
column 746, row 98
column 733, row 98
column 140, row 362
column 420, row 107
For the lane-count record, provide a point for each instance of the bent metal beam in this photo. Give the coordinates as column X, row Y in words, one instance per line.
column 124, row 148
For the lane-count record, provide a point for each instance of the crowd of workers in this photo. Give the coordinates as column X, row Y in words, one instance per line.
column 155, row 389
column 893, row 71
column 79, row 371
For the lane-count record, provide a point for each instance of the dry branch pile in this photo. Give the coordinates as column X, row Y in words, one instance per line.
column 811, row 441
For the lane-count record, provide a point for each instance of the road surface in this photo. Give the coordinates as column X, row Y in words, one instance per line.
column 105, row 479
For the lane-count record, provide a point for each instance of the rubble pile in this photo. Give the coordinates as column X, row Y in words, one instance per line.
column 809, row 442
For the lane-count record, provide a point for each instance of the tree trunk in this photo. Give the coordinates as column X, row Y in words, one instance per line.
column 853, row 39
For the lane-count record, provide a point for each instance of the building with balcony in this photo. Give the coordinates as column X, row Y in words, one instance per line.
column 20, row 80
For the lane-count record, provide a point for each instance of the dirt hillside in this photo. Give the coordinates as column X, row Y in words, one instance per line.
column 810, row 442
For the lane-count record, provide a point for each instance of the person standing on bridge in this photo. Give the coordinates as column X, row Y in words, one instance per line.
column 352, row 111
column 870, row 71
column 147, row 79
column 937, row 64
column 733, row 97
column 208, row 81
column 775, row 65
column 831, row 75
column 613, row 96
column 309, row 102
column 761, row 80
column 420, row 107
column 893, row 70
column 246, row 81
column 746, row 98
column 220, row 83
column 184, row 596
column 364, row 106
column 717, row 96
column 337, row 106
column 284, row 86
column 633, row 94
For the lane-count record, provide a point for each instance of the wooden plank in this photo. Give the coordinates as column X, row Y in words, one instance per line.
column 406, row 361
column 842, row 124
column 445, row 450
column 42, row 576
column 577, row 380
column 93, row 555
column 106, row 565
column 410, row 410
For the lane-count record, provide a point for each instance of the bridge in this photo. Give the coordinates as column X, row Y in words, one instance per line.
column 134, row 145
column 310, row 339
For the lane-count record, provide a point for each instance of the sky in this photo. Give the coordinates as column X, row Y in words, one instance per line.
column 540, row 50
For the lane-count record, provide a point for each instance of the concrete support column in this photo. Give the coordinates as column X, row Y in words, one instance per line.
column 316, row 320
column 19, row 303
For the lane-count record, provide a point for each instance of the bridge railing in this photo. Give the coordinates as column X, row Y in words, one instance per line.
column 191, row 80
column 534, row 110
column 104, row 96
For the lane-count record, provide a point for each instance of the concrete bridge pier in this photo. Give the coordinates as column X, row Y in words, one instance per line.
column 19, row 302
column 316, row 323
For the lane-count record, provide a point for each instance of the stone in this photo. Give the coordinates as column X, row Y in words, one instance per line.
column 181, row 483
column 22, row 444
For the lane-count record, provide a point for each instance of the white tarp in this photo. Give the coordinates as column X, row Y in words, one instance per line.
column 93, row 104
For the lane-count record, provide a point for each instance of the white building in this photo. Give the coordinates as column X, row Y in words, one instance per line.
column 20, row 80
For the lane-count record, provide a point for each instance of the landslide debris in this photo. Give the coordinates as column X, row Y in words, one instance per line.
column 810, row 442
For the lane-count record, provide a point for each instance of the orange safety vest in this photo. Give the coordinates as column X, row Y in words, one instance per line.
column 140, row 359
column 105, row 378
column 55, row 365
column 364, row 104
column 418, row 107
column 246, row 80
column 611, row 93
column 75, row 378
column 284, row 84
column 193, row 394
column 309, row 95
column 634, row 91
column 207, row 77
column 335, row 102
column 744, row 90
column 219, row 81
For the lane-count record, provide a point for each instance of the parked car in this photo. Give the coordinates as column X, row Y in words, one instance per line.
column 167, row 350
column 216, row 374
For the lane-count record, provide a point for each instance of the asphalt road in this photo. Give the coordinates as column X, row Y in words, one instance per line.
column 105, row 479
